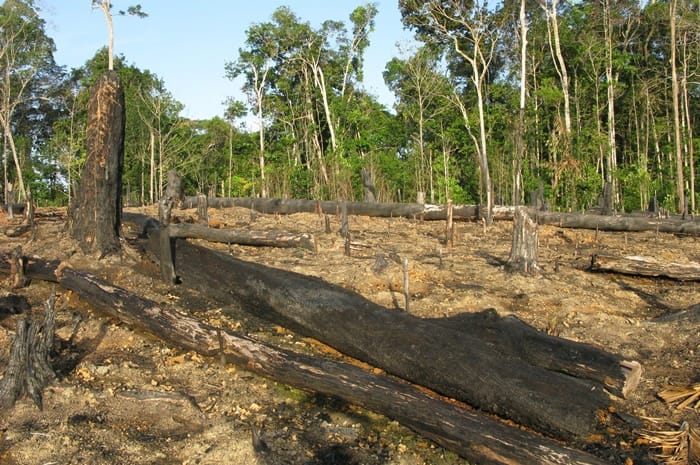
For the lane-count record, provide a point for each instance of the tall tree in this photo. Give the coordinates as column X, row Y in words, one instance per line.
column 25, row 53
column 473, row 38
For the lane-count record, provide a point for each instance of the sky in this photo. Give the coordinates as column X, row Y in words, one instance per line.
column 187, row 43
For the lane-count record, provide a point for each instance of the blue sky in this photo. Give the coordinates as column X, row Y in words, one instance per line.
column 187, row 42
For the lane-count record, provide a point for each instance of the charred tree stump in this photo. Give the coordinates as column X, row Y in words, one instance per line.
column 476, row 437
column 167, row 244
column 523, row 252
column 29, row 369
column 19, row 280
column 95, row 213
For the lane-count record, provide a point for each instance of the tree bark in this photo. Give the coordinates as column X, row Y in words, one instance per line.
column 29, row 369
column 523, row 252
column 474, row 436
column 455, row 363
column 95, row 213
column 644, row 266
column 242, row 237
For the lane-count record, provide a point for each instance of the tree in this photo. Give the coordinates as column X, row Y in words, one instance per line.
column 25, row 54
column 106, row 7
column 473, row 38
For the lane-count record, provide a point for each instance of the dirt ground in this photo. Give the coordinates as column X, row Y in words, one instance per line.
column 123, row 397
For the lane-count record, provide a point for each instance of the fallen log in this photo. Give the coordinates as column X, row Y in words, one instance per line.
column 242, row 237
column 455, row 363
column 472, row 435
column 421, row 211
column 645, row 266
column 617, row 223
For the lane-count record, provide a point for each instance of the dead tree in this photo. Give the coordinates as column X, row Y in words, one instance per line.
column 645, row 266
column 523, row 252
column 29, row 369
column 95, row 213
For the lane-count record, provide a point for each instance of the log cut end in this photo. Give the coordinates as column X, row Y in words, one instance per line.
column 632, row 371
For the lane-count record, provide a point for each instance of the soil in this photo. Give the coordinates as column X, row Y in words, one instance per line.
column 126, row 397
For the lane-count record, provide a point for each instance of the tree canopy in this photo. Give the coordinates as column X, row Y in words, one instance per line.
column 601, row 93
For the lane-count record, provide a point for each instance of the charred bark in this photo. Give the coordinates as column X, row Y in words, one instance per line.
column 644, row 266
column 95, row 213
column 29, row 369
column 474, row 436
column 455, row 363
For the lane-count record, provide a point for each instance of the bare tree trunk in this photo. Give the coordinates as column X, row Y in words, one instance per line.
column 95, row 215
column 520, row 136
column 678, row 140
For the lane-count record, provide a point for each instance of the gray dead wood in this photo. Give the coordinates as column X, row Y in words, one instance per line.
column 460, row 212
column 523, row 251
column 473, row 435
column 646, row 266
column 243, row 237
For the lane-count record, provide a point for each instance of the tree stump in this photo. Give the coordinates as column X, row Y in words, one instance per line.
column 29, row 369
column 523, row 253
column 203, row 209
column 95, row 213
column 174, row 189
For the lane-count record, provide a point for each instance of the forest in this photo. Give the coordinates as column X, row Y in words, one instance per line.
column 495, row 102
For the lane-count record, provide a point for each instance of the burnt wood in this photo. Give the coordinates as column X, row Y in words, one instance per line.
column 472, row 435
column 523, row 251
column 29, row 368
column 95, row 212
column 457, row 363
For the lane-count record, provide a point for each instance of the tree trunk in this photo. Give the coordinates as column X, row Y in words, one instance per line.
column 95, row 214
column 474, row 436
column 643, row 266
column 243, row 237
column 523, row 252
column 454, row 363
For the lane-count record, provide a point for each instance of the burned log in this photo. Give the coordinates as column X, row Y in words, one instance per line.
column 95, row 213
column 618, row 223
column 243, row 237
column 472, row 435
column 646, row 266
column 455, row 363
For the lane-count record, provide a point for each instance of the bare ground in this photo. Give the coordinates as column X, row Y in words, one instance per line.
column 125, row 397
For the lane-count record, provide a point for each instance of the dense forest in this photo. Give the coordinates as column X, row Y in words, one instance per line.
column 493, row 103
